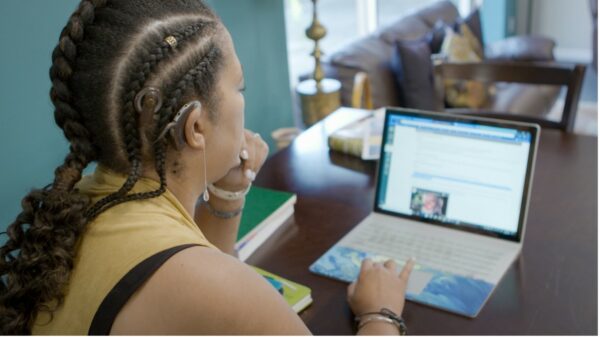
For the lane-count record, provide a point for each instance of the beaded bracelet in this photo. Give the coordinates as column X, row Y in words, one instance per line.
column 223, row 214
column 385, row 315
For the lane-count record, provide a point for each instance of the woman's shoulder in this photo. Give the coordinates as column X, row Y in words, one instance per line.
column 203, row 291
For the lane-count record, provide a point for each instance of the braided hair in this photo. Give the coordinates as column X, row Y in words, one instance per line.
column 108, row 52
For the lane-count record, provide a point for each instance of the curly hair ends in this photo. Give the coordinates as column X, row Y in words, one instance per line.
column 105, row 55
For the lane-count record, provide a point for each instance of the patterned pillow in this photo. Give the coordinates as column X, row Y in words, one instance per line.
column 473, row 40
column 464, row 48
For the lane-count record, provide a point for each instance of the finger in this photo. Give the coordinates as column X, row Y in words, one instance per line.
column 248, row 165
column 244, row 155
column 351, row 288
column 408, row 267
column 391, row 265
column 377, row 265
column 261, row 150
column 249, row 144
column 366, row 264
column 255, row 153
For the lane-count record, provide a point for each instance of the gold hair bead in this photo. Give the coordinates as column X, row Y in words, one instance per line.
column 171, row 41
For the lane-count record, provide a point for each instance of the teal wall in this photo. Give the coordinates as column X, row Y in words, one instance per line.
column 496, row 17
column 31, row 146
column 258, row 30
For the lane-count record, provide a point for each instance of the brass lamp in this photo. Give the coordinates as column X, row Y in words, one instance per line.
column 319, row 96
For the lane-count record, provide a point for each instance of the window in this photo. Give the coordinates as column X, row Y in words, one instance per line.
column 345, row 21
column 389, row 11
column 338, row 17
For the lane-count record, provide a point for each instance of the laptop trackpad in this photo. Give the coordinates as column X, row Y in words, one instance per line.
column 417, row 281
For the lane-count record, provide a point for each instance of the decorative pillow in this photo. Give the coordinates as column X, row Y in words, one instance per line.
column 473, row 41
column 413, row 70
column 436, row 36
column 458, row 48
column 438, row 33
column 473, row 21
column 463, row 94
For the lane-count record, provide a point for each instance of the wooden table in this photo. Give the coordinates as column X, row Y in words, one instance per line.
column 551, row 289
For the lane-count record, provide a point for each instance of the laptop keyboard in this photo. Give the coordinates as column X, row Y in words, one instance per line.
column 433, row 251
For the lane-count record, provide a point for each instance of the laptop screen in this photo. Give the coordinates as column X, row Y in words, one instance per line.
column 466, row 173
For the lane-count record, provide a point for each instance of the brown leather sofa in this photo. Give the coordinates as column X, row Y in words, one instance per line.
column 373, row 54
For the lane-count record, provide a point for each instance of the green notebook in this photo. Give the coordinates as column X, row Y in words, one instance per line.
column 265, row 211
column 296, row 295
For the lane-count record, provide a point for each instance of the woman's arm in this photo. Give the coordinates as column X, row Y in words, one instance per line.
column 223, row 232
column 220, row 232
column 202, row 291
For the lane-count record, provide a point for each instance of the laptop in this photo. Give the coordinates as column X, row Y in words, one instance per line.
column 452, row 191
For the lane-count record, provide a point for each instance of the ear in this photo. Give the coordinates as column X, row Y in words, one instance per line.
column 194, row 129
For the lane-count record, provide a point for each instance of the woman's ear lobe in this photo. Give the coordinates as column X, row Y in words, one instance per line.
column 194, row 129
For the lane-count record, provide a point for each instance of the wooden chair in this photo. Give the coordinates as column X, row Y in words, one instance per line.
column 530, row 73
column 361, row 92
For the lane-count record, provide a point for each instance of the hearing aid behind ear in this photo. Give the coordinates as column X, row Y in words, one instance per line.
column 175, row 129
column 177, row 132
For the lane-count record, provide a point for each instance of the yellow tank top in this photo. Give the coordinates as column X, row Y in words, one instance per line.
column 117, row 241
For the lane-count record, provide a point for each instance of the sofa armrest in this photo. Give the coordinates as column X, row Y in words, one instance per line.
column 521, row 48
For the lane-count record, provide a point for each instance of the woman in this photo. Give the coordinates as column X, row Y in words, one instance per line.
column 152, row 90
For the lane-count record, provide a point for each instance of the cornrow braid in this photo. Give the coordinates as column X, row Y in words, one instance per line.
column 167, row 113
column 82, row 151
column 37, row 260
column 43, row 237
column 152, row 58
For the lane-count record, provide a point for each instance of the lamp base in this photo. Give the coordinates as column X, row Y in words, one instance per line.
column 317, row 103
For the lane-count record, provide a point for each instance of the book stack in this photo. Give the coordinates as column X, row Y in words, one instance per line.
column 361, row 138
column 296, row 295
column 265, row 211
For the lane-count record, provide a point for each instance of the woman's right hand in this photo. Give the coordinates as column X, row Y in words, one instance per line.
column 379, row 286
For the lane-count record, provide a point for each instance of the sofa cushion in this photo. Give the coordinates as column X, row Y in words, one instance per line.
column 443, row 10
column 414, row 74
column 363, row 54
column 521, row 48
column 524, row 99
column 407, row 28
column 372, row 56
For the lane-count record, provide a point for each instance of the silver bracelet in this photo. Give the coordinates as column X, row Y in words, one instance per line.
column 376, row 318
column 222, row 214
column 228, row 195
column 384, row 315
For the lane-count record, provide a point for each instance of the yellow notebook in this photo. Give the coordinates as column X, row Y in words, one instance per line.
column 298, row 296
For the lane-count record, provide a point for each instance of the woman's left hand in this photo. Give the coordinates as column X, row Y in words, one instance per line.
column 252, row 156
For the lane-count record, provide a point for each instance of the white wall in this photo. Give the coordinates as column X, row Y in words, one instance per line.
column 522, row 15
column 569, row 23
